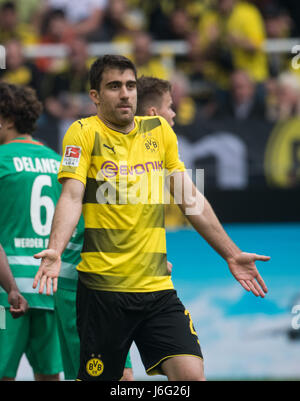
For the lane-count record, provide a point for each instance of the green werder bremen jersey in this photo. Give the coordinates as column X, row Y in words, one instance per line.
column 29, row 193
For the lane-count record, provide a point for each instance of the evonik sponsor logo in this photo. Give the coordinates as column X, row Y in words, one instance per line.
column 110, row 169
column 133, row 186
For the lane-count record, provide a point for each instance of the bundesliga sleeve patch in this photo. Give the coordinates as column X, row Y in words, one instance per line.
column 72, row 156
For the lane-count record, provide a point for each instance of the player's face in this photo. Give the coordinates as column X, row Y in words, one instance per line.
column 166, row 108
column 117, row 97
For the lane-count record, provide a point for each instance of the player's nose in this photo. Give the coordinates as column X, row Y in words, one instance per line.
column 124, row 93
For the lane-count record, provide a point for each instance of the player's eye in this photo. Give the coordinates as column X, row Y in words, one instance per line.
column 114, row 85
column 131, row 85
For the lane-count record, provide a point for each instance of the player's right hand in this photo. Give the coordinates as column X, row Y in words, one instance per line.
column 48, row 271
column 18, row 304
column 169, row 267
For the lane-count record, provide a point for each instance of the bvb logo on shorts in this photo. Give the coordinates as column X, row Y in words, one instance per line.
column 94, row 366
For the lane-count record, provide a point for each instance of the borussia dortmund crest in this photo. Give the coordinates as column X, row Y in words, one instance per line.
column 94, row 366
column 151, row 145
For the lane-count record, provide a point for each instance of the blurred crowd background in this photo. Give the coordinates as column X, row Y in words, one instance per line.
column 224, row 58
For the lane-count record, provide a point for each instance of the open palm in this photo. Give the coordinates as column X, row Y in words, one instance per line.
column 245, row 272
column 48, row 271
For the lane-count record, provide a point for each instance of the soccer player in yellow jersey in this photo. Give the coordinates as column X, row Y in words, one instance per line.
column 125, row 292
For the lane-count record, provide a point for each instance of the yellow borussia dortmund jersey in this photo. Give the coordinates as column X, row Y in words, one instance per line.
column 123, row 207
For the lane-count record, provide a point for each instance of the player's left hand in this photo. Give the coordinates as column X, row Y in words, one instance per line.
column 243, row 268
column 48, row 272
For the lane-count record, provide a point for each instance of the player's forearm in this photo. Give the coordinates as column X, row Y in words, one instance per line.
column 7, row 280
column 202, row 217
column 208, row 226
column 66, row 217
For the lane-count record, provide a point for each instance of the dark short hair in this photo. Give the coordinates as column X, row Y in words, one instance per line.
column 108, row 62
column 149, row 93
column 20, row 105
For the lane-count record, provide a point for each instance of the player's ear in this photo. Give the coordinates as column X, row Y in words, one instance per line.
column 10, row 125
column 152, row 111
column 94, row 96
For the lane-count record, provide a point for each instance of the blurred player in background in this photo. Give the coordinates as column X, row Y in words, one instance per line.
column 154, row 98
column 125, row 292
column 18, row 304
column 28, row 195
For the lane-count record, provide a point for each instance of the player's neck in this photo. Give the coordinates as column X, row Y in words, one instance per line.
column 13, row 135
column 124, row 129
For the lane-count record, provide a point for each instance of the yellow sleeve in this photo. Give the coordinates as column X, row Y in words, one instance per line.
column 172, row 160
column 77, row 150
column 251, row 24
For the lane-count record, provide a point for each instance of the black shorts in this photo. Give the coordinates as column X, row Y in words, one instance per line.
column 108, row 322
